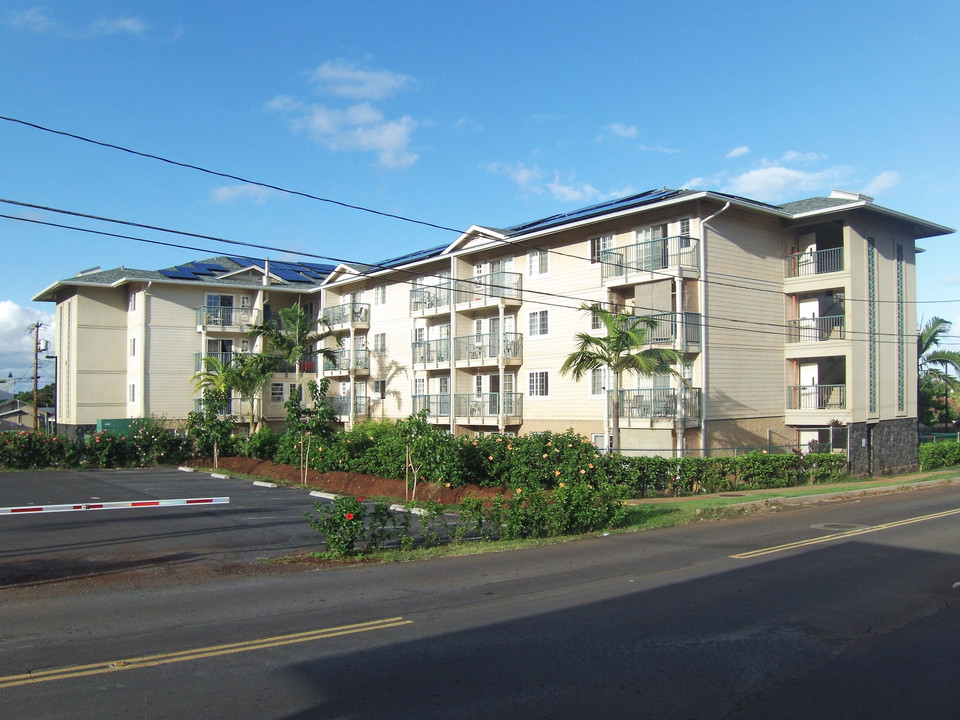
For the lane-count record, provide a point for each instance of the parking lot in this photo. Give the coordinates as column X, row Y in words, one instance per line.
column 257, row 522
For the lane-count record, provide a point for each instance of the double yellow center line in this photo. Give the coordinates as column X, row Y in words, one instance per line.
column 76, row 671
column 842, row 535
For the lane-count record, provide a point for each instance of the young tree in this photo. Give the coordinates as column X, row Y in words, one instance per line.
column 294, row 336
column 623, row 348
column 934, row 366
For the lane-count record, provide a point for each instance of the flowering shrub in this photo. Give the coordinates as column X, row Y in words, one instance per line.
column 155, row 444
column 347, row 521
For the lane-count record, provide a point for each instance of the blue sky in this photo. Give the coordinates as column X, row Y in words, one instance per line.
column 454, row 113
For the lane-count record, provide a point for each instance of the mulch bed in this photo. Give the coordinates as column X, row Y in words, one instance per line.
column 344, row 483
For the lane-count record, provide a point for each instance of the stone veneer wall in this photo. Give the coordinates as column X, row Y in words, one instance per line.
column 894, row 447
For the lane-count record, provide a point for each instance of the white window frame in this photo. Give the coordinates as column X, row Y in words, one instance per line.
column 132, row 302
column 538, row 263
column 538, row 384
column 419, row 386
column 598, row 245
column 380, row 389
column 538, row 323
column 133, row 347
column 380, row 295
column 276, row 392
column 132, row 393
column 597, row 382
column 380, row 342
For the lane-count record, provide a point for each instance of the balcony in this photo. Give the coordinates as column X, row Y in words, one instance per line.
column 436, row 406
column 223, row 357
column 431, row 354
column 347, row 362
column 679, row 331
column 815, row 262
column 484, row 349
column 433, row 300
column 341, row 405
column 817, row 397
column 647, row 406
column 490, row 290
column 650, row 260
column 484, row 408
column 348, row 316
column 214, row 318
column 817, row 329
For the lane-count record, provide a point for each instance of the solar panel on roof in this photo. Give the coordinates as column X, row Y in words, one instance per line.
column 630, row 201
column 199, row 270
column 290, row 275
column 212, row 267
column 177, row 273
column 246, row 262
column 411, row 257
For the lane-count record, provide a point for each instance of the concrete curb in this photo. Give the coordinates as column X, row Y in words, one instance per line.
column 264, row 483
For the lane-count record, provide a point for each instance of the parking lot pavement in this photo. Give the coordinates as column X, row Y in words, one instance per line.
column 257, row 522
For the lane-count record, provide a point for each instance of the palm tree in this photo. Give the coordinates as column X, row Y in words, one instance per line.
column 216, row 374
column 294, row 335
column 250, row 374
column 624, row 348
column 934, row 366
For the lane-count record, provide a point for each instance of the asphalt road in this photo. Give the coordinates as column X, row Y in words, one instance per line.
column 845, row 609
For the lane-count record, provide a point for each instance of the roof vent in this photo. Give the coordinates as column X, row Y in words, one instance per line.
column 88, row 271
column 848, row 195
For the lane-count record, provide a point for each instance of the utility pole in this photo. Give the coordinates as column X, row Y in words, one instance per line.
column 36, row 375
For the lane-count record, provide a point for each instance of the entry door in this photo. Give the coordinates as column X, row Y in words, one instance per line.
column 809, row 386
column 808, row 312
column 494, row 396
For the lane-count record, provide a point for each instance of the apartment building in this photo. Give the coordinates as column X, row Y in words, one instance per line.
column 129, row 342
column 793, row 321
column 796, row 322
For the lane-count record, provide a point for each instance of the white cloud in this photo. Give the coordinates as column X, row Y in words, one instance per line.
column 349, row 81
column 792, row 156
column 620, row 130
column 466, row 122
column 659, row 147
column 252, row 193
column 883, row 181
column 36, row 20
column 524, row 176
column 777, row 183
column 738, row 152
column 361, row 128
column 16, row 336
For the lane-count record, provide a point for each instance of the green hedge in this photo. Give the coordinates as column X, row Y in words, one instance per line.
column 939, row 454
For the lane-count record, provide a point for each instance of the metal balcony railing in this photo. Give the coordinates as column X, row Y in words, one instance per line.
column 347, row 314
column 435, row 405
column 341, row 405
column 484, row 408
column 664, row 403
column 431, row 299
column 507, row 285
column 667, row 330
column 665, row 254
column 431, row 352
column 814, row 262
column 217, row 316
column 830, row 327
column 344, row 361
column 485, row 347
column 223, row 357
column 816, row 397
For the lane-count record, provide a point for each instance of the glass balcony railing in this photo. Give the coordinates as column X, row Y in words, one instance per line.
column 814, row 262
column 669, row 255
column 432, row 299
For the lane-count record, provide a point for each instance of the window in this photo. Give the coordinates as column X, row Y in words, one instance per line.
column 598, row 245
column 654, row 232
column 132, row 393
column 133, row 347
column 344, row 389
column 419, row 334
column 294, row 391
column 419, row 386
column 276, row 392
column 380, row 295
column 596, row 381
column 538, row 262
column 380, row 342
column 380, row 389
column 132, row 302
column 539, row 323
column 595, row 322
column 685, row 233
column 539, row 384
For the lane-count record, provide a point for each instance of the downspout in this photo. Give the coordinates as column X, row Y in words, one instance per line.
column 704, row 345
column 144, row 344
column 501, row 404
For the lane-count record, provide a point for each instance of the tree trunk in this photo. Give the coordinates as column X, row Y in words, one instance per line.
column 615, row 412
